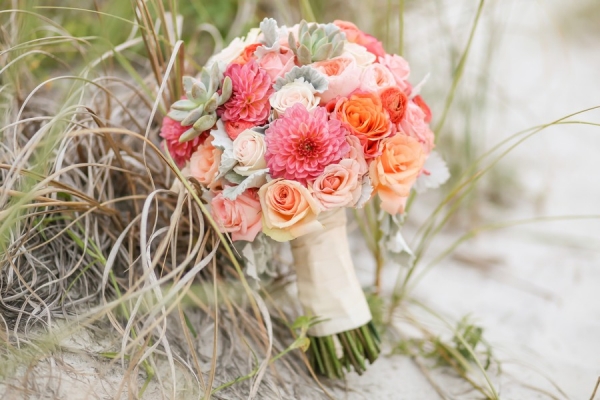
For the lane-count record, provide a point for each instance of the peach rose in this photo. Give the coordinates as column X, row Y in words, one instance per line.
column 375, row 78
column 414, row 125
column 364, row 115
column 357, row 154
column 399, row 68
column 355, row 35
column 204, row 163
column 241, row 217
column 342, row 74
column 277, row 63
column 339, row 185
column 395, row 170
column 289, row 211
column 394, row 102
column 249, row 150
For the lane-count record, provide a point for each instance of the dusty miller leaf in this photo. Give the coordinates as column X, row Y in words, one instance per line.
column 310, row 75
column 223, row 142
column 257, row 179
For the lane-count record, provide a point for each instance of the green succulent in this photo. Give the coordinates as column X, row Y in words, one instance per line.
column 198, row 109
column 316, row 42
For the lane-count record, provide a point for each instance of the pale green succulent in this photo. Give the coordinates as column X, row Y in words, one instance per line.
column 317, row 42
column 199, row 108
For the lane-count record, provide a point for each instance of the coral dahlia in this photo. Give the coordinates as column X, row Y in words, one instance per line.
column 301, row 144
column 251, row 88
column 171, row 131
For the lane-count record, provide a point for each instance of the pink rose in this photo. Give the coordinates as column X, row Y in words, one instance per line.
column 357, row 154
column 289, row 211
column 424, row 107
column 375, row 78
column 355, row 35
column 398, row 66
column 204, row 163
column 413, row 124
column 241, row 217
column 343, row 75
column 339, row 185
column 277, row 63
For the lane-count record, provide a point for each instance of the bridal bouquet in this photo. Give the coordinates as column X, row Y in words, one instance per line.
column 286, row 128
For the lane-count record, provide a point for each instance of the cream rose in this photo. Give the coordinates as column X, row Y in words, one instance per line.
column 298, row 91
column 376, row 77
column 395, row 170
column 289, row 210
column 234, row 49
column 339, row 185
column 204, row 163
column 249, row 151
column 342, row 74
column 359, row 53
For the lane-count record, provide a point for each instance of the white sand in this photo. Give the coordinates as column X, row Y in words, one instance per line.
column 537, row 295
column 534, row 288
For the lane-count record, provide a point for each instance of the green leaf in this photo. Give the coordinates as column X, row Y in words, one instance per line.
column 198, row 91
column 211, row 105
column 177, row 115
column 323, row 52
column 205, row 123
column 189, row 135
column 226, row 90
column 184, row 105
column 302, row 343
column 193, row 116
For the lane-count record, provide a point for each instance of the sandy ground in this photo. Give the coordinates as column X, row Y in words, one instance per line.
column 534, row 288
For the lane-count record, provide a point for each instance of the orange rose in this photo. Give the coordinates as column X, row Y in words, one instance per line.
column 394, row 102
column 395, row 170
column 364, row 115
column 247, row 54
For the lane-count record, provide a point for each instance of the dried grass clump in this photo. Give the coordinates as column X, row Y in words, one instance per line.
column 92, row 239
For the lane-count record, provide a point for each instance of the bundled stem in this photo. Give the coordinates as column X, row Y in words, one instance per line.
column 349, row 350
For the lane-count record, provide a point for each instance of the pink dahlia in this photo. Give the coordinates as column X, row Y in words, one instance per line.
column 301, row 144
column 249, row 100
column 171, row 131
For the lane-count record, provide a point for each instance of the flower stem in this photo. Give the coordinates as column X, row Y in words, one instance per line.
column 358, row 346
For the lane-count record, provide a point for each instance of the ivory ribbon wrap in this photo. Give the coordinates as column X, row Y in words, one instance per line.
column 327, row 284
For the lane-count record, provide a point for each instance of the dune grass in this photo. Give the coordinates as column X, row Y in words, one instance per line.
column 91, row 238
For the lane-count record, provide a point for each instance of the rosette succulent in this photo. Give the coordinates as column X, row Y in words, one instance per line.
column 198, row 109
column 317, row 42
